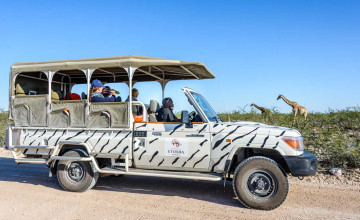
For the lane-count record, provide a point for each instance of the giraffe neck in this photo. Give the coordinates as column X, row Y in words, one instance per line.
column 257, row 107
column 292, row 104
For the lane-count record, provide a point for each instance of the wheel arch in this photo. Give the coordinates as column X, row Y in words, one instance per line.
column 239, row 154
column 64, row 147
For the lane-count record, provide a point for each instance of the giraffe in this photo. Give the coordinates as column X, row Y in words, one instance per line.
column 262, row 109
column 297, row 109
column 265, row 112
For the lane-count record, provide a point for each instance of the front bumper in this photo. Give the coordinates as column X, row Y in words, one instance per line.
column 304, row 165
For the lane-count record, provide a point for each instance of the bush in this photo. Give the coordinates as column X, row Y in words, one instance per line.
column 334, row 136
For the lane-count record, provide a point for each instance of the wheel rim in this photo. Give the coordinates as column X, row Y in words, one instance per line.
column 75, row 172
column 261, row 185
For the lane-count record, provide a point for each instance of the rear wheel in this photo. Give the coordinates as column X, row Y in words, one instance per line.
column 76, row 176
column 260, row 183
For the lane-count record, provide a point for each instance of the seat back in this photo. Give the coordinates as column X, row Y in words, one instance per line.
column 67, row 113
column 154, row 108
column 30, row 110
column 109, row 114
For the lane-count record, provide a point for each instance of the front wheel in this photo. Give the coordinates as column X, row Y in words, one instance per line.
column 76, row 176
column 260, row 183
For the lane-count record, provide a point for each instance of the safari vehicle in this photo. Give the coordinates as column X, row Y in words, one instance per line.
column 80, row 140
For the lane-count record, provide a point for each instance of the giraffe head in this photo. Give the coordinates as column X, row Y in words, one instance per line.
column 279, row 97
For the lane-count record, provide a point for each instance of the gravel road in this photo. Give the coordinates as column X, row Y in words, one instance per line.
column 26, row 192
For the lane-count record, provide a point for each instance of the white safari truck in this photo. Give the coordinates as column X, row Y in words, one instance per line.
column 80, row 140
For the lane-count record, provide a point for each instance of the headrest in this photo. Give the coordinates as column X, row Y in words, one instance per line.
column 19, row 90
column 154, row 106
column 54, row 95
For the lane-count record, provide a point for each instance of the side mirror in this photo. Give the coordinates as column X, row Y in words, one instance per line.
column 185, row 117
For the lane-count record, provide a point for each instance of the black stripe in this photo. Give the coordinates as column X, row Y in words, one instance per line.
column 136, row 149
column 60, row 137
column 202, row 128
column 263, row 145
column 32, row 142
column 153, row 140
column 34, row 133
column 77, row 134
column 90, row 136
column 217, row 163
column 161, row 162
column 202, row 143
column 176, row 159
column 125, row 149
column 49, row 152
column 121, row 140
column 42, row 134
column 117, row 134
column 39, row 143
column 184, row 164
column 193, row 155
column 228, row 125
column 25, row 151
column 276, row 145
column 215, row 125
column 52, row 135
column 200, row 160
column 245, row 134
column 154, row 155
column 36, row 151
column 99, row 139
column 177, row 127
column 282, row 133
column 144, row 125
column 251, row 140
column 221, row 140
column 26, row 137
column 142, row 154
column 102, row 148
column 225, row 146
column 218, row 132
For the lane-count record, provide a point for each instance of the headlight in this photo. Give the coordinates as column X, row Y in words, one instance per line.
column 294, row 142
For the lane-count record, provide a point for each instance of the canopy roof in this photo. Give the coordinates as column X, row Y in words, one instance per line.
column 112, row 69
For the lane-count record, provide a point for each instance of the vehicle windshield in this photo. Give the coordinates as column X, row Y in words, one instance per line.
column 204, row 105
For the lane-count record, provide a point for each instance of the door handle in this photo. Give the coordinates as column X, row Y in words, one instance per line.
column 157, row 133
column 195, row 135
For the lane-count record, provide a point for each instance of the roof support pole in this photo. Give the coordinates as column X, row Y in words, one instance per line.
column 49, row 75
column 88, row 73
column 130, row 71
column 190, row 72
column 144, row 71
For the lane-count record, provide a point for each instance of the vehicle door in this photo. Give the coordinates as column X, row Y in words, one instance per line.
column 176, row 146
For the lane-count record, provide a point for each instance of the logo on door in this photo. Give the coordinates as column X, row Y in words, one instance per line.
column 178, row 147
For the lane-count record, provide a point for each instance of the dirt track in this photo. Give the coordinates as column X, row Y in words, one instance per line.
column 26, row 192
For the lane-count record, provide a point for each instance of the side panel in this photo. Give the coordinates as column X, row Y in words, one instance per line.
column 241, row 135
column 100, row 141
column 172, row 146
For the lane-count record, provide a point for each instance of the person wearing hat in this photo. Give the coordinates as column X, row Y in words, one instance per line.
column 96, row 93
column 166, row 113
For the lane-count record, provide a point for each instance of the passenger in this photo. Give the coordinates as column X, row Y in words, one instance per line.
column 137, row 110
column 166, row 111
column 96, row 93
column 135, row 94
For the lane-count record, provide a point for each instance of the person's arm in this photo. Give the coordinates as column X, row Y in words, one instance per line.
column 171, row 117
column 103, row 99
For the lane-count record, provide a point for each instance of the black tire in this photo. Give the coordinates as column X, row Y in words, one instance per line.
column 260, row 183
column 76, row 176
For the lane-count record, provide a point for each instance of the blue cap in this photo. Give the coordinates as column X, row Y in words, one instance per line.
column 96, row 83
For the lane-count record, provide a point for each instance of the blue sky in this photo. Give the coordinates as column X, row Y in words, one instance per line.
column 308, row 51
